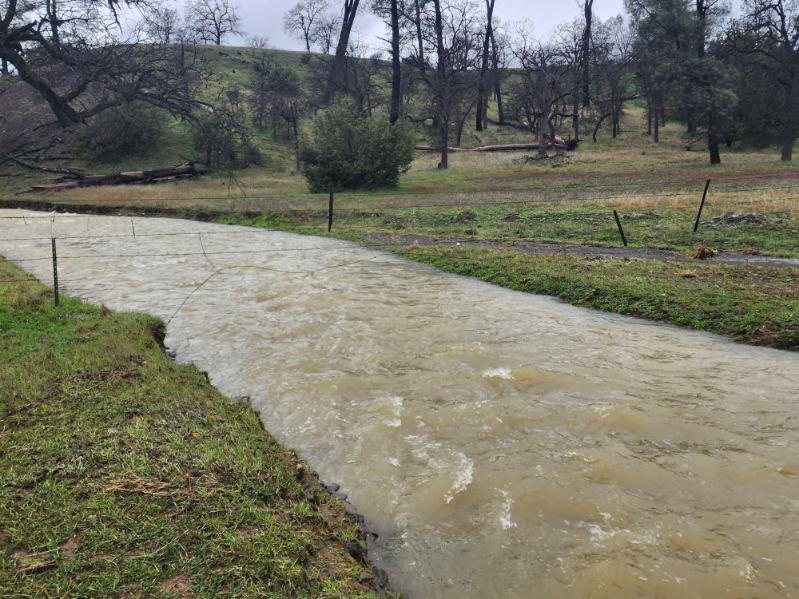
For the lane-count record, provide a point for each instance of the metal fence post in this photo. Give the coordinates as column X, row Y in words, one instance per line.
column 701, row 206
column 621, row 230
column 55, row 263
column 330, row 213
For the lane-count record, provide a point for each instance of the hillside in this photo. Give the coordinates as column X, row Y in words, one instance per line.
column 229, row 73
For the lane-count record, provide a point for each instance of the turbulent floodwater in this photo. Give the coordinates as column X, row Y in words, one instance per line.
column 501, row 444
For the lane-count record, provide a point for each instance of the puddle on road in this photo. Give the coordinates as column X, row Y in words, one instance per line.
column 502, row 444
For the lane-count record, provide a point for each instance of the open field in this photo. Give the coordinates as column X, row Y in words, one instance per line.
column 126, row 474
column 656, row 188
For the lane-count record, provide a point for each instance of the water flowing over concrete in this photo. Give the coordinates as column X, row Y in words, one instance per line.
column 501, row 444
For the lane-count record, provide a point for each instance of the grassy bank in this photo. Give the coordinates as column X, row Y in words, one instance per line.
column 773, row 232
column 750, row 304
column 125, row 474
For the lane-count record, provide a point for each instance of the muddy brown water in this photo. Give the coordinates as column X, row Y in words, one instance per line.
column 501, row 444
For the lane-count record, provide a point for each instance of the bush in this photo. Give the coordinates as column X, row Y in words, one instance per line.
column 117, row 133
column 343, row 149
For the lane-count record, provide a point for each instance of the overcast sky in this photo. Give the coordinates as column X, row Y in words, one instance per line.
column 265, row 17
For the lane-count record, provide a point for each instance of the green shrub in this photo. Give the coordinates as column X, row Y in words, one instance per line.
column 343, row 149
column 224, row 142
column 117, row 133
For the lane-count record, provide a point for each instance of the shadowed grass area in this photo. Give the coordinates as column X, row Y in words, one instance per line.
column 750, row 304
column 123, row 473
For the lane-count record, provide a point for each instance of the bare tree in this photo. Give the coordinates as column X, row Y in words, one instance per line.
column 258, row 41
column 162, row 24
column 612, row 59
column 452, row 37
column 569, row 44
column 390, row 12
column 365, row 83
column 211, row 21
column 80, row 67
column 499, row 52
column 543, row 88
column 302, row 20
column 326, row 30
column 416, row 19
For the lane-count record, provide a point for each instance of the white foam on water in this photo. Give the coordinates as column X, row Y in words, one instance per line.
column 498, row 373
column 505, row 520
column 463, row 478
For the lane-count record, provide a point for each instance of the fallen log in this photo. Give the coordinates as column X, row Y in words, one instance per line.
column 497, row 148
column 186, row 169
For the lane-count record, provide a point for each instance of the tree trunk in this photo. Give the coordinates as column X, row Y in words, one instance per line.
column 786, row 150
column 396, row 72
column 461, row 125
column 419, row 38
column 500, row 107
column 656, row 131
column 482, row 99
column 598, row 125
column 443, row 134
column 701, row 25
column 542, row 137
column 135, row 177
column 713, row 141
column 497, row 82
column 3, row 66
column 442, row 99
column 493, row 148
column 715, row 153
column 649, row 117
column 586, row 51
column 338, row 77
column 55, row 23
column 64, row 113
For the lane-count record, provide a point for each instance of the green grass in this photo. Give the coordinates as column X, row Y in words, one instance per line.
column 592, row 224
column 748, row 303
column 123, row 473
